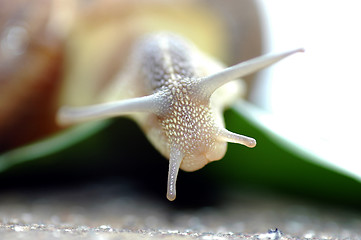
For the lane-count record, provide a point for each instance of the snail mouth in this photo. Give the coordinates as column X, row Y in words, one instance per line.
column 205, row 155
column 218, row 151
column 190, row 164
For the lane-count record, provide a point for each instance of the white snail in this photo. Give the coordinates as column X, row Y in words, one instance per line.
column 177, row 95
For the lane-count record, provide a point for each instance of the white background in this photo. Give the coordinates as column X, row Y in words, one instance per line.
column 316, row 96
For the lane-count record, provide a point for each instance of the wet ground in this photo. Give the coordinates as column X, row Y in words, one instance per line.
column 116, row 211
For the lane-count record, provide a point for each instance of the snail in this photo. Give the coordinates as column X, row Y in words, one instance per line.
column 177, row 95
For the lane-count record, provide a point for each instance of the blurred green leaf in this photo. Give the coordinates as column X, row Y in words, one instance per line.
column 275, row 163
column 51, row 145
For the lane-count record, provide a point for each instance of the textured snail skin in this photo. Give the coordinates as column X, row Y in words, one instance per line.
column 180, row 93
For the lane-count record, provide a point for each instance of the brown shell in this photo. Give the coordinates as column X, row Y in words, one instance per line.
column 30, row 71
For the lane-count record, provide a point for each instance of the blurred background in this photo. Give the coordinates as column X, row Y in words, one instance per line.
column 304, row 111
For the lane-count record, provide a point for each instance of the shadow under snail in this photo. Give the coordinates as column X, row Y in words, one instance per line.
column 177, row 95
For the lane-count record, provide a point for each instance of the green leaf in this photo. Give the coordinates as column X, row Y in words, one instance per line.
column 276, row 163
column 51, row 145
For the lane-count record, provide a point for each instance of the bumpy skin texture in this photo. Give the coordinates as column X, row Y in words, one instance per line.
column 186, row 118
column 177, row 95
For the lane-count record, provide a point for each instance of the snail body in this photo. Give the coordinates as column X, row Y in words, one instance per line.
column 177, row 95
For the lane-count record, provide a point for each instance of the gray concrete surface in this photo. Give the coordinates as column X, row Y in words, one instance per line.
column 102, row 212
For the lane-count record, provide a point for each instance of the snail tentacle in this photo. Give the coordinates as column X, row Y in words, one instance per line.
column 227, row 136
column 72, row 115
column 213, row 82
column 175, row 160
